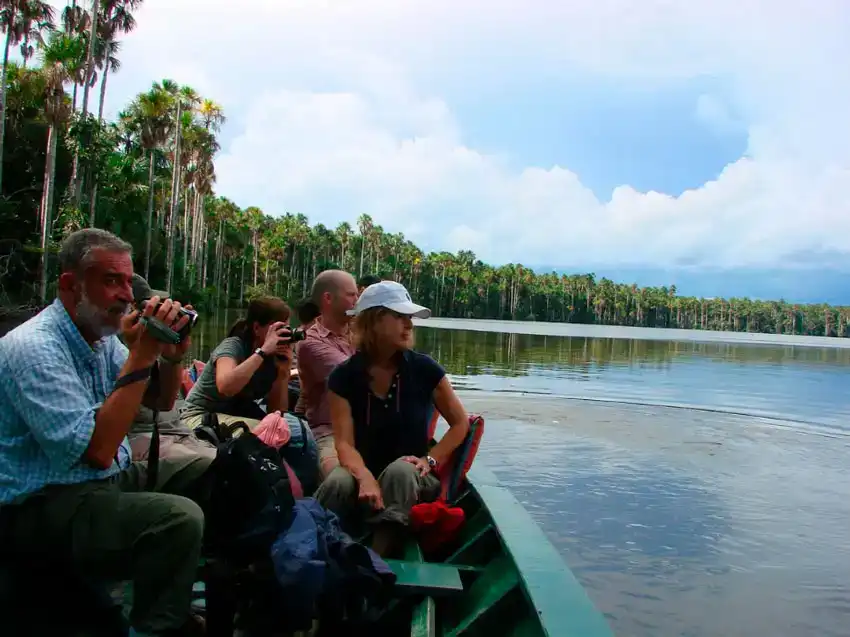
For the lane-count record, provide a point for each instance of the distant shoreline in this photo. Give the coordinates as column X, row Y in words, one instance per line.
column 583, row 330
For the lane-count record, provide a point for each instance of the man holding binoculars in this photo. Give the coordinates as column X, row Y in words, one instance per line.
column 69, row 392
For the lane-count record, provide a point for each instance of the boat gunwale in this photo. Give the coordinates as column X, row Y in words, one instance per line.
column 562, row 605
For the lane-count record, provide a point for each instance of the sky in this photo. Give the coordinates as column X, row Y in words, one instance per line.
column 603, row 135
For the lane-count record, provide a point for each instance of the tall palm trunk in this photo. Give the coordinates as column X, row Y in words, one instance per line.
column 256, row 254
column 186, row 215
column 102, row 99
column 242, row 283
column 47, row 206
column 3, row 91
column 150, row 215
column 175, row 197
column 93, row 196
column 77, row 175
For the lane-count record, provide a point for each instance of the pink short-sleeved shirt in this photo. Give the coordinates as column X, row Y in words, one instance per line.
column 318, row 354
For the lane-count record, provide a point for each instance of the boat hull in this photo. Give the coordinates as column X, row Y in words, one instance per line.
column 514, row 580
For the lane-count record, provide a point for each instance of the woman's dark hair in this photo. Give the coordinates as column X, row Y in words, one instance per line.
column 263, row 310
column 368, row 279
column 306, row 310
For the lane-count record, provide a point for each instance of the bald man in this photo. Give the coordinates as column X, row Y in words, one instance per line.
column 327, row 344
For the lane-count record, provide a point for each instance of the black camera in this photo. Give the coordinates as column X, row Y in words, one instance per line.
column 289, row 336
column 162, row 331
column 294, row 335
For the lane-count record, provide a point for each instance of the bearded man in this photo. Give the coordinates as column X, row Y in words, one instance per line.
column 69, row 392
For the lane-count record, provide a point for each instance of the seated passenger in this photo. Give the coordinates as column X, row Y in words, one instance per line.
column 177, row 442
column 69, row 390
column 365, row 281
column 381, row 402
column 327, row 344
column 307, row 312
column 252, row 363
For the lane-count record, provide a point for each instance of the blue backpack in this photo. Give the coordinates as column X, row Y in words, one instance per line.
column 301, row 453
column 323, row 572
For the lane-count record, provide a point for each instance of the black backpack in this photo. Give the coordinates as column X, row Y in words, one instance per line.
column 248, row 499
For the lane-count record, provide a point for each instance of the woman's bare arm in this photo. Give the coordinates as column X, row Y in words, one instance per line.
column 452, row 410
column 278, row 398
column 231, row 378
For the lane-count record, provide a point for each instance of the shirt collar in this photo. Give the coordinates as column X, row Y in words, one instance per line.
column 361, row 361
column 320, row 331
column 79, row 347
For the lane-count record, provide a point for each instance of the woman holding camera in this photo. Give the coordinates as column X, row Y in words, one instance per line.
column 253, row 362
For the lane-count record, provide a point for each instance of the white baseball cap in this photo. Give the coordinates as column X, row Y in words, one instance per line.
column 391, row 295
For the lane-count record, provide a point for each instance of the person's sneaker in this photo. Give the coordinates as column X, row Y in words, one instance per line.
column 195, row 626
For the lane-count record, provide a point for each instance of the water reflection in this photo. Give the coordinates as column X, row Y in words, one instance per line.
column 802, row 384
column 473, row 353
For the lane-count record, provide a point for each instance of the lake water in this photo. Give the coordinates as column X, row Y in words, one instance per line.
column 694, row 488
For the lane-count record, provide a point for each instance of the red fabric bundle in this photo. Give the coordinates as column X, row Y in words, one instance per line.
column 436, row 523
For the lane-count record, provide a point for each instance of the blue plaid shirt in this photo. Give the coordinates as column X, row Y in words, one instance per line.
column 51, row 384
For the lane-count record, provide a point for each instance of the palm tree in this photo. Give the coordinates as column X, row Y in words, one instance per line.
column 186, row 99
column 150, row 118
column 58, row 55
column 116, row 18
column 32, row 29
column 22, row 21
column 87, row 79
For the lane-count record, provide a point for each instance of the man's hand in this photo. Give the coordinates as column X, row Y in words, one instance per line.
column 142, row 344
column 175, row 353
column 370, row 492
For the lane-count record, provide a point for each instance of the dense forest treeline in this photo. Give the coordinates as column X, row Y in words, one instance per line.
column 149, row 177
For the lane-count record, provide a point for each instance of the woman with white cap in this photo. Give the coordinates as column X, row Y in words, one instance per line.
column 382, row 400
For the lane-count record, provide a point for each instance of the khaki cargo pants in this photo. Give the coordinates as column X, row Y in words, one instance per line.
column 401, row 488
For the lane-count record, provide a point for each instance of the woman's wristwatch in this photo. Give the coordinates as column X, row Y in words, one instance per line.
column 259, row 352
column 431, row 462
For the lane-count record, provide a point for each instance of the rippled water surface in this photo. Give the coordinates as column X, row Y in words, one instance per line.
column 695, row 489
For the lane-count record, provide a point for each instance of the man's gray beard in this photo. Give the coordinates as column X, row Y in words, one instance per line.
column 94, row 319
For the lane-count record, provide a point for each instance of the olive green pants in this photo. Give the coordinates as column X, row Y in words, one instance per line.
column 401, row 488
column 114, row 530
column 223, row 419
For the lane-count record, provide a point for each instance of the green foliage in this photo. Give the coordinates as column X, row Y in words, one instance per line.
column 224, row 255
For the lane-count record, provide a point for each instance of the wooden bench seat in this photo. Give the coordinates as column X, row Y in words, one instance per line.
column 426, row 578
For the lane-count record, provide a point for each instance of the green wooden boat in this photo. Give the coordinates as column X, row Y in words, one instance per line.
column 501, row 577
column 504, row 577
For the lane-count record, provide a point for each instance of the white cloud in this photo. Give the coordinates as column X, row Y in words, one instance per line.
column 335, row 110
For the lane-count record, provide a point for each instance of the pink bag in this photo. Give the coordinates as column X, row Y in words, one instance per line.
column 274, row 431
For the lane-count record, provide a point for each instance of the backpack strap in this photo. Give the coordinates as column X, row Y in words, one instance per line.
column 230, row 429
column 303, row 435
column 209, row 430
column 207, row 434
column 153, row 455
